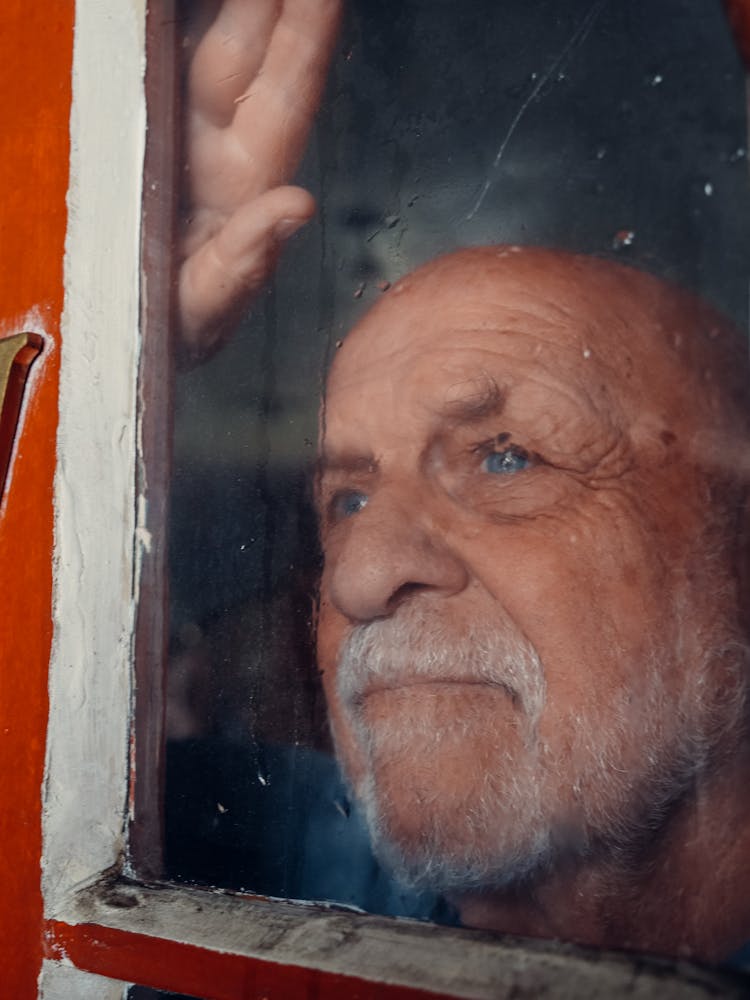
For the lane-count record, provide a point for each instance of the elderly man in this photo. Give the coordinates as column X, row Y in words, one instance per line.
column 531, row 493
column 531, row 626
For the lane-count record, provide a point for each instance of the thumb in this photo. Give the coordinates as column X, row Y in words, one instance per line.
column 222, row 278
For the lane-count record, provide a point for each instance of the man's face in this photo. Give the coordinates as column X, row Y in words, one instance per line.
column 521, row 626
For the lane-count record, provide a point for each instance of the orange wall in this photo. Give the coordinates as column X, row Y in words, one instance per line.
column 35, row 84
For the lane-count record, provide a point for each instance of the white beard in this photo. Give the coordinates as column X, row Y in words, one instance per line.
column 523, row 802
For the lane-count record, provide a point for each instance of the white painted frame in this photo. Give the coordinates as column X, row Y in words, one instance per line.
column 95, row 505
column 62, row 982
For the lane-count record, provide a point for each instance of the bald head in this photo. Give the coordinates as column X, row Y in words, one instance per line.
column 529, row 588
column 652, row 337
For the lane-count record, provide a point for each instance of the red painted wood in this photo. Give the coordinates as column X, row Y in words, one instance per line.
column 207, row 974
column 36, row 44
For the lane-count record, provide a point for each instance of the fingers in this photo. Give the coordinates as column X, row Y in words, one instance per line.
column 294, row 70
column 256, row 79
column 290, row 41
column 229, row 55
column 254, row 85
column 222, row 278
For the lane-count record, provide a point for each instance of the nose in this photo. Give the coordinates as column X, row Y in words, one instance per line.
column 387, row 558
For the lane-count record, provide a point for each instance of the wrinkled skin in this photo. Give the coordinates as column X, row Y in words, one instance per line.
column 612, row 547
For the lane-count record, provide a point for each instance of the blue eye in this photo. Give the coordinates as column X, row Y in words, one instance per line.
column 507, row 461
column 348, row 502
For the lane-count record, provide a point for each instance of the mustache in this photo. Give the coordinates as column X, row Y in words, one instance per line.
column 419, row 645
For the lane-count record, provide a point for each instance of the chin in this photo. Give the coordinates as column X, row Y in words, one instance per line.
column 495, row 782
column 456, row 802
column 458, row 841
column 450, row 787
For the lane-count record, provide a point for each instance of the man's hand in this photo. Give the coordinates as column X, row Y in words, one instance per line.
column 253, row 86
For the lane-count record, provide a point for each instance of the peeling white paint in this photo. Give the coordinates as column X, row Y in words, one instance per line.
column 90, row 672
column 60, row 982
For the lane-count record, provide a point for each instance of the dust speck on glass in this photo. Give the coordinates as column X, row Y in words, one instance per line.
column 615, row 129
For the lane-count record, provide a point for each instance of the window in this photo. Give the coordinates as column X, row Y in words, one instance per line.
column 580, row 127
column 105, row 909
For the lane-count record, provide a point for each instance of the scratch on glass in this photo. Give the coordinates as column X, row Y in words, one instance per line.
column 576, row 39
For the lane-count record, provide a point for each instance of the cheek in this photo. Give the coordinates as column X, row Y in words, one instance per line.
column 589, row 591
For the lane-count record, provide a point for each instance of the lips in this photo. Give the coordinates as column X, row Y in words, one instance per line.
column 448, row 683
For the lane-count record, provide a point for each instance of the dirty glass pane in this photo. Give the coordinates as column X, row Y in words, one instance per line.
column 614, row 130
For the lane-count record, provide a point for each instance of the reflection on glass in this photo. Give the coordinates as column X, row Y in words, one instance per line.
column 596, row 128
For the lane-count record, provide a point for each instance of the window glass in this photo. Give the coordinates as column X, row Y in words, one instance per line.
column 612, row 130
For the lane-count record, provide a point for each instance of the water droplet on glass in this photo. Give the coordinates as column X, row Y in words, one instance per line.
column 708, row 189
column 623, row 238
column 656, row 79
column 343, row 807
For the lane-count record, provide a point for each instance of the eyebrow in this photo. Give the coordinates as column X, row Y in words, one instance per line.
column 343, row 462
column 476, row 398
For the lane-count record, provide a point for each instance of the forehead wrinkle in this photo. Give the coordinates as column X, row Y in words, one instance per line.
column 379, row 347
column 461, row 377
column 472, row 399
